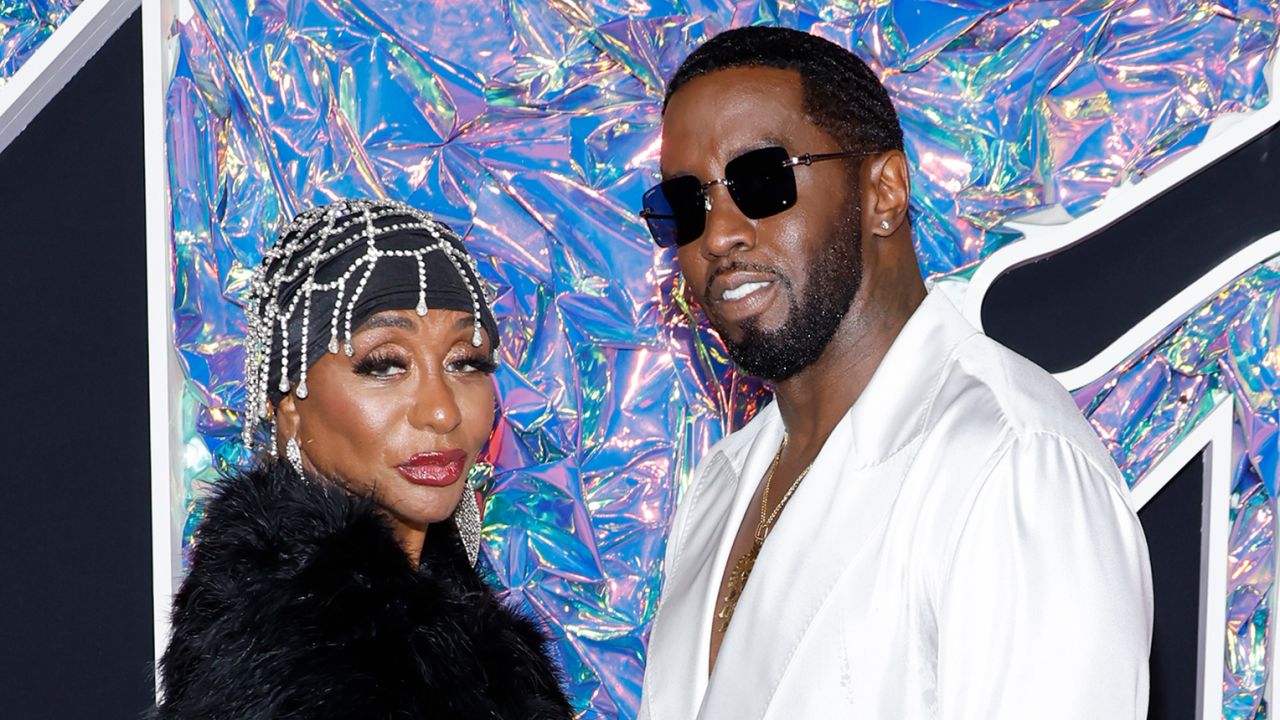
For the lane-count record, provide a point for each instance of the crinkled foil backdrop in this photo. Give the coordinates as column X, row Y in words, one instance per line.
column 533, row 127
column 24, row 26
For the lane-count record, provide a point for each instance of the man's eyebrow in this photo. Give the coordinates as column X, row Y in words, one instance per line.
column 764, row 142
column 382, row 320
column 463, row 322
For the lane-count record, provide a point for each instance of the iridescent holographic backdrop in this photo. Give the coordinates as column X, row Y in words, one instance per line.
column 1142, row 408
column 533, row 128
column 24, row 26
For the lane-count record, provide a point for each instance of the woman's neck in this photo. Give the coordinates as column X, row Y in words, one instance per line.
column 411, row 539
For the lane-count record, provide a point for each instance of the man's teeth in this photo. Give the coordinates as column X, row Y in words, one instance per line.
column 743, row 290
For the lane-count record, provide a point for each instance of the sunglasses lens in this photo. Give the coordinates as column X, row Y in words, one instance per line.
column 760, row 182
column 674, row 211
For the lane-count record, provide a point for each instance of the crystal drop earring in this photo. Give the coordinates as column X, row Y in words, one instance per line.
column 466, row 517
column 294, row 453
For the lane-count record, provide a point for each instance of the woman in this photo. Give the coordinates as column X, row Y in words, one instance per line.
column 340, row 582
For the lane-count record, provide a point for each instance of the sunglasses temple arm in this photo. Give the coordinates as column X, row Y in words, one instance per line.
column 811, row 158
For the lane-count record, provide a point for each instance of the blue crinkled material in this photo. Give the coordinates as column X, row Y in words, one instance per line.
column 533, row 128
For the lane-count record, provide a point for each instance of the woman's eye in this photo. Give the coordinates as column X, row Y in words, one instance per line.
column 381, row 366
column 475, row 364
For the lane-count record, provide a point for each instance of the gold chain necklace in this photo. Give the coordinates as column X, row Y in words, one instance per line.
column 742, row 569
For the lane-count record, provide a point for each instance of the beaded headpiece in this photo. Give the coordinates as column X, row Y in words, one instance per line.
column 332, row 268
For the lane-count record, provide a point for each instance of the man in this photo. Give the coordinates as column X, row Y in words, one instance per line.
column 921, row 525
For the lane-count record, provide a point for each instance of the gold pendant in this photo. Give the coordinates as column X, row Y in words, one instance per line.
column 737, row 583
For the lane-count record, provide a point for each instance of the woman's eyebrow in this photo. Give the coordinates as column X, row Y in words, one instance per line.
column 386, row 320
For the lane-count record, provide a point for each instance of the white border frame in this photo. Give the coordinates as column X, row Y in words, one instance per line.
column 165, row 377
column 82, row 34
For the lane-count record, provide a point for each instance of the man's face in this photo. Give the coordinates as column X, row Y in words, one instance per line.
column 775, row 289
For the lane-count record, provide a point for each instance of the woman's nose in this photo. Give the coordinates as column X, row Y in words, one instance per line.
column 434, row 405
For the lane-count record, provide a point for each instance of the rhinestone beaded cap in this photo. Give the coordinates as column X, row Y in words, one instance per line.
column 304, row 246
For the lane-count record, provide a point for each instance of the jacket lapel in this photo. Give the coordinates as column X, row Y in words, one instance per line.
column 679, row 647
column 822, row 534
column 834, row 516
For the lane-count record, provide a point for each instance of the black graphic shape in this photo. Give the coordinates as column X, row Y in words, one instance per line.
column 1063, row 309
column 1172, row 522
column 75, row 502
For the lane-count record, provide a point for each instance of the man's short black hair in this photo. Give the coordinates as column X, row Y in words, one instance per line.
column 841, row 94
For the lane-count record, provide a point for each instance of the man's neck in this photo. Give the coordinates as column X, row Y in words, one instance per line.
column 814, row 400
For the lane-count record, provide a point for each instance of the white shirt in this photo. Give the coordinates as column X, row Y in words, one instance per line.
column 963, row 547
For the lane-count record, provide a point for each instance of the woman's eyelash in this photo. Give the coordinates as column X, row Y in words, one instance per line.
column 481, row 363
column 378, row 364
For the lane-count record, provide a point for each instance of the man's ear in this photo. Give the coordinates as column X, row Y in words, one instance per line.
column 889, row 182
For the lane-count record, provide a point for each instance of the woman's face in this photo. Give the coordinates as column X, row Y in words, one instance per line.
column 403, row 418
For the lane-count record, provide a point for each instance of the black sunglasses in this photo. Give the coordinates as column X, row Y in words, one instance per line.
column 761, row 182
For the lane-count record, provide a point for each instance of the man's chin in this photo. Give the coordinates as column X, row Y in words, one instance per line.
column 749, row 330
column 776, row 355
column 762, row 361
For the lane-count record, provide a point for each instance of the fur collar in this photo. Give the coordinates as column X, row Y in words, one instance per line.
column 300, row 604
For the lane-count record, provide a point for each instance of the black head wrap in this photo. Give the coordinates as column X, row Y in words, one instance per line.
column 335, row 266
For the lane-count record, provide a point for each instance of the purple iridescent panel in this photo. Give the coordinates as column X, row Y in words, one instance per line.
column 532, row 127
column 1225, row 350
column 24, row 26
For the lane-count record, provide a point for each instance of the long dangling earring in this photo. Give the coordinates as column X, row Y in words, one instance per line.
column 467, row 519
column 294, row 453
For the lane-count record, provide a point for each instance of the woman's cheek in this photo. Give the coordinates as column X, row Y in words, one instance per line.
column 478, row 413
column 373, row 412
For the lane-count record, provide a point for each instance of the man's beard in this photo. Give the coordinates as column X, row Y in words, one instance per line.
column 834, row 278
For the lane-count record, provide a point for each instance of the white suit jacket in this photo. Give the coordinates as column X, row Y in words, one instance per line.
column 962, row 548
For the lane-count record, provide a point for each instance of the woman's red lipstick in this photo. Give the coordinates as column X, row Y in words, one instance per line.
column 437, row 469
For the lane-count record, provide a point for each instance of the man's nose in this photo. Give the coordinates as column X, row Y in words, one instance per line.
column 727, row 229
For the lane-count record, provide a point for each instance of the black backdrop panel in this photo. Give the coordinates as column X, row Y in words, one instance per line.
column 75, row 605
column 1172, row 522
column 1062, row 310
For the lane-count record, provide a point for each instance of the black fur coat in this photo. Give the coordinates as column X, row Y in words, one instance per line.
column 301, row 605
